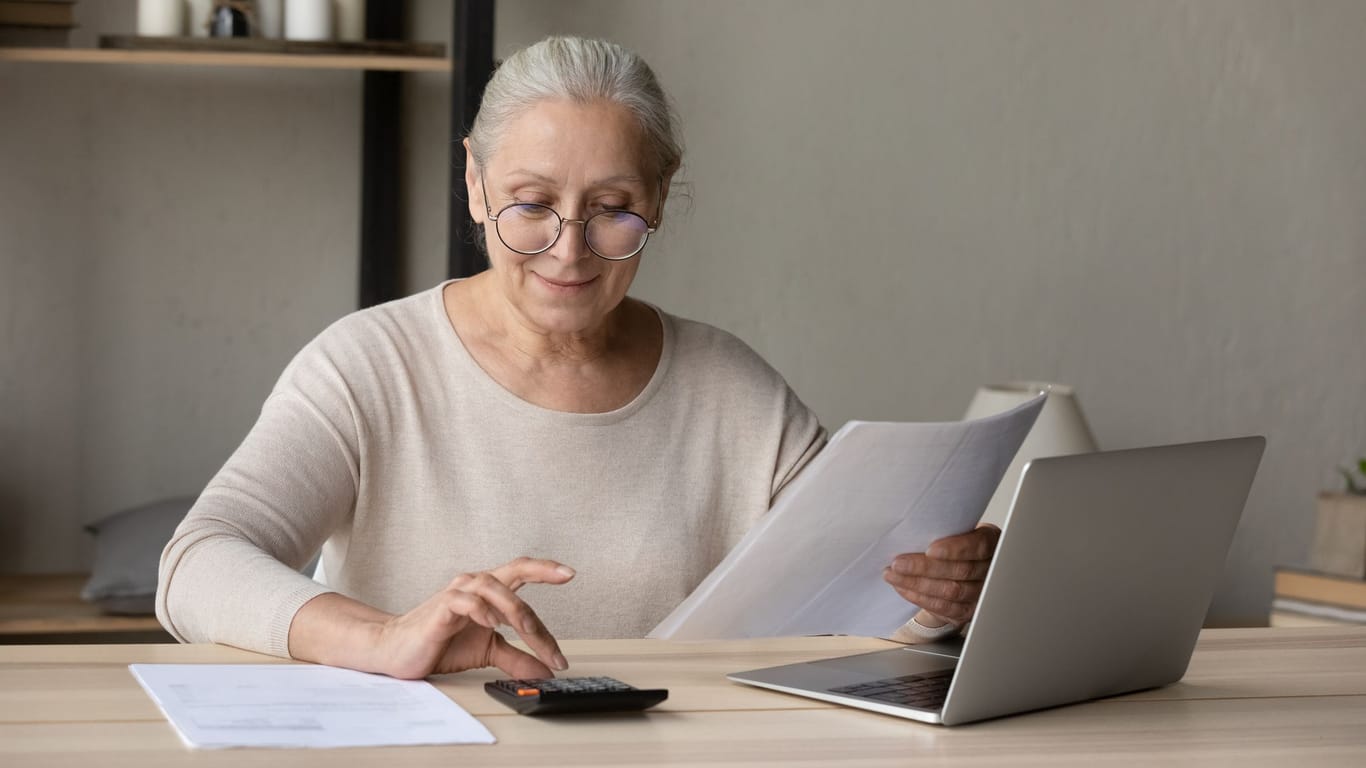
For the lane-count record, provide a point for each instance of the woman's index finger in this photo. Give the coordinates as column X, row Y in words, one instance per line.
column 531, row 570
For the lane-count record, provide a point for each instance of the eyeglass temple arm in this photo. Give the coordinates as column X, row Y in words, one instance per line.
column 659, row 212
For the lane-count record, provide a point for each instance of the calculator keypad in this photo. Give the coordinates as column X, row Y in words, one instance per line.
column 569, row 695
column 565, row 685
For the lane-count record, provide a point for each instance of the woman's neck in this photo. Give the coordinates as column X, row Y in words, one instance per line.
column 539, row 347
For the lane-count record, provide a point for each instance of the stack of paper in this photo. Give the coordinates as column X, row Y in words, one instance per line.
column 813, row 564
column 214, row 706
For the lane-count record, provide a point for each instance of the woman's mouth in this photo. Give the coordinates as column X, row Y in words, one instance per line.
column 565, row 284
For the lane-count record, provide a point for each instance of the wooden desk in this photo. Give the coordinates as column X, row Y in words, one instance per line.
column 1252, row 697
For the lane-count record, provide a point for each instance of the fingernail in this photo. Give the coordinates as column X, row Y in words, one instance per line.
column 565, row 570
column 561, row 663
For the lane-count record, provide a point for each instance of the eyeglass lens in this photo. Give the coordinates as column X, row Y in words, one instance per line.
column 531, row 228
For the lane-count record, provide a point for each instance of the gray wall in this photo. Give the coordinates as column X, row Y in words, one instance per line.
column 168, row 239
column 1159, row 203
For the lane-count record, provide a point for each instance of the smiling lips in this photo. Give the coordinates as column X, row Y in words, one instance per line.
column 566, row 283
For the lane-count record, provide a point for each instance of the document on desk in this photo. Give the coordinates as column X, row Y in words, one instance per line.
column 216, row 706
column 813, row 564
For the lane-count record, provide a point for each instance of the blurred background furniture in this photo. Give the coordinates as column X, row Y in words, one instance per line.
column 1061, row 430
column 47, row 608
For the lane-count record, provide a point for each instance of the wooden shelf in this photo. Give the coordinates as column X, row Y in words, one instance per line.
column 383, row 57
column 49, row 608
column 229, row 59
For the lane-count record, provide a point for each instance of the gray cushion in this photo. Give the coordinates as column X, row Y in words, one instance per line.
column 127, row 552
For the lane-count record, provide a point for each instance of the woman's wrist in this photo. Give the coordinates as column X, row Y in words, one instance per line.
column 335, row 630
column 925, row 627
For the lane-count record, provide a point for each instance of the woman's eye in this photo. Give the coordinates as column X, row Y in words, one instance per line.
column 531, row 211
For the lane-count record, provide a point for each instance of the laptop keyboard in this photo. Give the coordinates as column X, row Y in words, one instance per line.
column 925, row 691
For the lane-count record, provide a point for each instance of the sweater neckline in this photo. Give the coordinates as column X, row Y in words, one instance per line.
column 482, row 379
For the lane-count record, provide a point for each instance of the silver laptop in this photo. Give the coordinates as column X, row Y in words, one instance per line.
column 1099, row 586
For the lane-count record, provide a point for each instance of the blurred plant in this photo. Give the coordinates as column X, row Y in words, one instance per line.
column 1354, row 486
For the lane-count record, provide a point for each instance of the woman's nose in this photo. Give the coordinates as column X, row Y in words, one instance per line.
column 571, row 246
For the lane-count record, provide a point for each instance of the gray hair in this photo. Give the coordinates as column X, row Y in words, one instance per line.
column 581, row 71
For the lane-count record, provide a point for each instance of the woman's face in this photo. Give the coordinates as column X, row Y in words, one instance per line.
column 579, row 159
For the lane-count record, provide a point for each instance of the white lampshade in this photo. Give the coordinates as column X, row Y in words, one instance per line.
column 1060, row 430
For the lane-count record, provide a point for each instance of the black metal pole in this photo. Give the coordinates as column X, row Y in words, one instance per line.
column 471, row 66
column 381, row 134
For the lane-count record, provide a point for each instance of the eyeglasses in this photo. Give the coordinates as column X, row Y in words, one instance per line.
column 532, row 228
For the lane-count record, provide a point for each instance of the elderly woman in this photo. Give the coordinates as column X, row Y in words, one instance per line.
column 531, row 410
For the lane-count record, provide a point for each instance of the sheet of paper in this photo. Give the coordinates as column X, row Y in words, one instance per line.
column 813, row 564
column 215, row 706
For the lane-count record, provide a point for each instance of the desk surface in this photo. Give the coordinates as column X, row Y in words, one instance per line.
column 1251, row 697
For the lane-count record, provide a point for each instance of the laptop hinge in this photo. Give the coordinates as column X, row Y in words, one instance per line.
column 951, row 649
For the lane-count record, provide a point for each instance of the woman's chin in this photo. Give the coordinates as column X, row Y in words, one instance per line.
column 562, row 319
column 565, row 304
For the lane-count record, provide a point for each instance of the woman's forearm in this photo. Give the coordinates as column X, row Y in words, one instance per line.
column 338, row 631
column 216, row 586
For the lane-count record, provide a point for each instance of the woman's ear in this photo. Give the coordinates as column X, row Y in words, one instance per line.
column 474, row 191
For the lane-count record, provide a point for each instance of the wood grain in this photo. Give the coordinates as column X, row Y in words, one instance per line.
column 1251, row 697
column 227, row 59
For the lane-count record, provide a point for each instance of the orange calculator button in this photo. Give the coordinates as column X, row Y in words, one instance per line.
column 528, row 691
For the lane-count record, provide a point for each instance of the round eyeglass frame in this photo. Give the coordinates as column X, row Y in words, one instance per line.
column 650, row 228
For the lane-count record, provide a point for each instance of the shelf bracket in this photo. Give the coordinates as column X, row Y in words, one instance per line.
column 471, row 67
column 381, row 192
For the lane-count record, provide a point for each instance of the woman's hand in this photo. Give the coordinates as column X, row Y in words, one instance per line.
column 946, row 579
column 451, row 631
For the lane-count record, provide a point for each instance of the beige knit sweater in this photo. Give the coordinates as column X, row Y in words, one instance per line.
column 388, row 447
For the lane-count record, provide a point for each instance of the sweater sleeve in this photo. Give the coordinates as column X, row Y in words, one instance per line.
column 777, row 433
column 802, row 438
column 229, row 574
